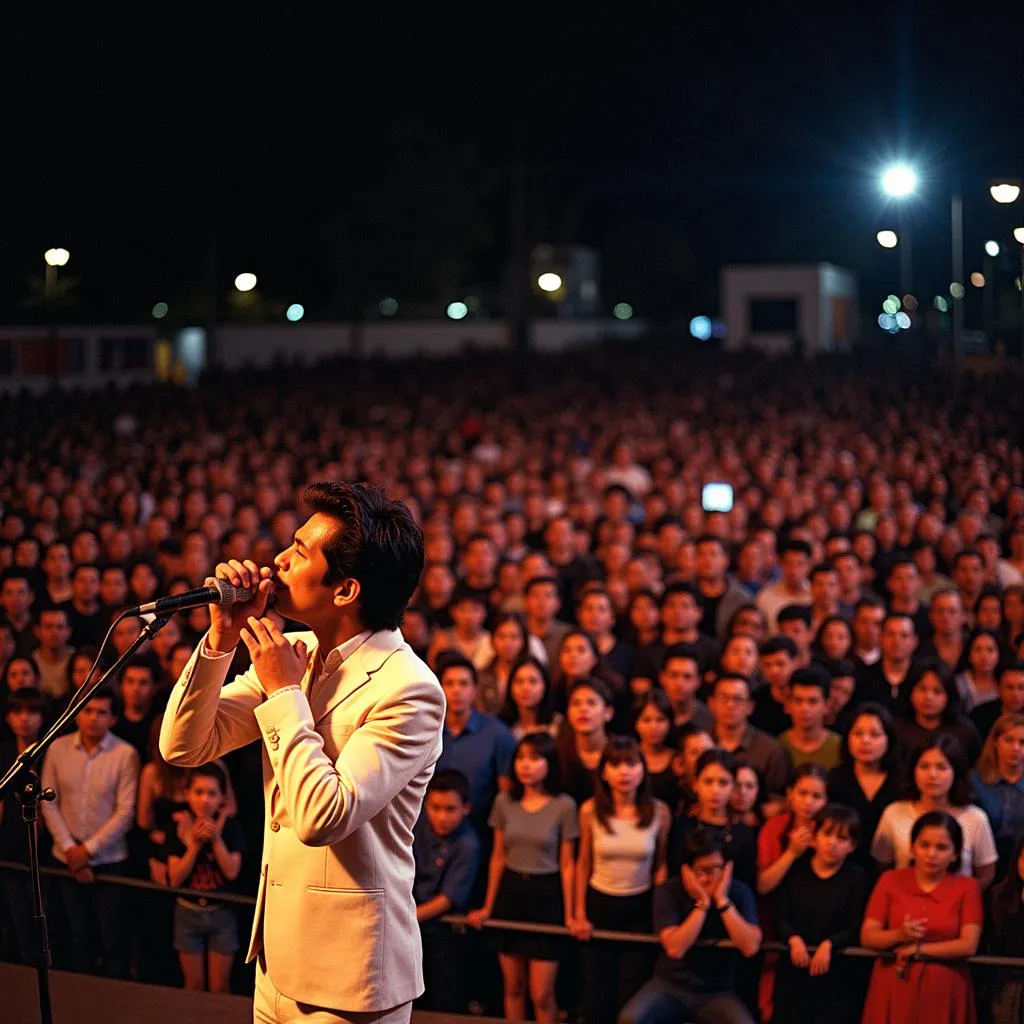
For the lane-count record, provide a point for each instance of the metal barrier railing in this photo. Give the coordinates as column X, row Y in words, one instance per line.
column 459, row 922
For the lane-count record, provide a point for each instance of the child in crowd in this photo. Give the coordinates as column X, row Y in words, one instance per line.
column 938, row 781
column 529, row 701
column 927, row 909
column 447, row 853
column 820, row 904
column 622, row 850
column 715, row 780
column 808, row 741
column 780, row 843
column 209, row 859
column 531, row 875
column 652, row 725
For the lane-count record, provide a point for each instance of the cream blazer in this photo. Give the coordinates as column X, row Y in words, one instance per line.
column 344, row 777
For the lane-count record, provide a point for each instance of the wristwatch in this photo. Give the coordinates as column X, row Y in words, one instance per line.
column 725, row 906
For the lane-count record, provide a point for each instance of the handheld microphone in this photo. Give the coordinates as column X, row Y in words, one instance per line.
column 214, row 591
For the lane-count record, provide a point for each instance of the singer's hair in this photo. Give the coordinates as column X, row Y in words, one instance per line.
column 379, row 544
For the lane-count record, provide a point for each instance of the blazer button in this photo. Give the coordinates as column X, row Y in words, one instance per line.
column 275, row 826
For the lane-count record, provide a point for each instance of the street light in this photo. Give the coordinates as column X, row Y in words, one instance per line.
column 899, row 181
column 1005, row 192
column 56, row 257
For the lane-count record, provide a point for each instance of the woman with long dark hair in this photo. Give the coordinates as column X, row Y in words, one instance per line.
column 1004, row 936
column 623, row 839
column 938, row 781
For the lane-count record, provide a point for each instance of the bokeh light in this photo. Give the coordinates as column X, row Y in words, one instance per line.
column 903, row 321
column 700, row 327
column 622, row 311
column 887, row 239
column 1018, row 234
column 941, row 304
column 891, row 305
column 991, row 248
column 956, row 289
column 160, row 311
column 1005, row 192
column 549, row 282
column 245, row 282
column 295, row 312
column 388, row 306
column 457, row 310
column 910, row 303
column 978, row 280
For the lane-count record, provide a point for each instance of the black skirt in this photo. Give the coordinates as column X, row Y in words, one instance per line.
column 536, row 899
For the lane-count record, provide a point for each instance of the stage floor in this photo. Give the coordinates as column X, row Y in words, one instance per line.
column 83, row 999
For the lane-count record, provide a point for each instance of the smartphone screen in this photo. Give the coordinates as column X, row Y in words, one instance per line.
column 717, row 497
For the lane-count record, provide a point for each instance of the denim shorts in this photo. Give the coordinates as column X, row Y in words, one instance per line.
column 198, row 929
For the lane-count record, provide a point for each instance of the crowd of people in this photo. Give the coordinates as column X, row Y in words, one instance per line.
column 797, row 719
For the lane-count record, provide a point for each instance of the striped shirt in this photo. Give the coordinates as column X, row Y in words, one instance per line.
column 96, row 793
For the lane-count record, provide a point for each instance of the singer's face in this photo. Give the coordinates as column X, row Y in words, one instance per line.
column 301, row 568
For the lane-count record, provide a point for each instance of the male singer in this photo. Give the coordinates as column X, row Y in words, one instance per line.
column 350, row 721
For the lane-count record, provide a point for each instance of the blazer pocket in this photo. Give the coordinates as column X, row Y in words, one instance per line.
column 355, row 916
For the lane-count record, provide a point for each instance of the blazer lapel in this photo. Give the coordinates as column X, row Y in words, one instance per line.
column 354, row 671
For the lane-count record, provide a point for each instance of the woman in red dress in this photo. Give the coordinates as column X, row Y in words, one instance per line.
column 924, row 910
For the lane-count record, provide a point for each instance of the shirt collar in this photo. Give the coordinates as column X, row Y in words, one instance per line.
column 344, row 651
column 104, row 744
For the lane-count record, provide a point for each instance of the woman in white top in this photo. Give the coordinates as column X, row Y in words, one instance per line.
column 622, row 856
column 938, row 782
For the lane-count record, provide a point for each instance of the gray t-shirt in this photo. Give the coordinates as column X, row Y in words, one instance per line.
column 532, row 838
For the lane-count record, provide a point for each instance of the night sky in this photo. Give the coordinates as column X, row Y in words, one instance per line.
column 750, row 132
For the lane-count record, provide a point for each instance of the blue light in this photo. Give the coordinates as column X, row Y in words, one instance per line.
column 457, row 310
column 718, row 329
column 903, row 321
column 295, row 312
column 700, row 327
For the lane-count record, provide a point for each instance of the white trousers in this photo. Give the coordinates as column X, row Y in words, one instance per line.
column 271, row 1007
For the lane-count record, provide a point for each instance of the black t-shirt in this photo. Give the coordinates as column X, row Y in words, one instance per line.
column 702, row 968
column 769, row 715
column 87, row 630
column 137, row 733
column 710, row 617
column 206, row 873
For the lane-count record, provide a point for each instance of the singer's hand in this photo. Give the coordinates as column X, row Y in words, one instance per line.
column 226, row 622
column 277, row 661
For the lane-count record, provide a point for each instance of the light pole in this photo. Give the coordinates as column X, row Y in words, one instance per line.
column 1005, row 192
column 53, row 258
column 900, row 182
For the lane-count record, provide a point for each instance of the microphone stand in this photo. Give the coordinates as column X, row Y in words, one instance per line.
column 23, row 776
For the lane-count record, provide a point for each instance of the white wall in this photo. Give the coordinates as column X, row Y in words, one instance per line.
column 813, row 287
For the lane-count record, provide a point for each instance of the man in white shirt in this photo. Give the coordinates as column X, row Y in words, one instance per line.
column 793, row 588
column 95, row 776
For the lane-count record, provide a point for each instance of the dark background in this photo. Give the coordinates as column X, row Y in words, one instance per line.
column 366, row 150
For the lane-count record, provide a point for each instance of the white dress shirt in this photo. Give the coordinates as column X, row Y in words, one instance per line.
column 96, row 793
